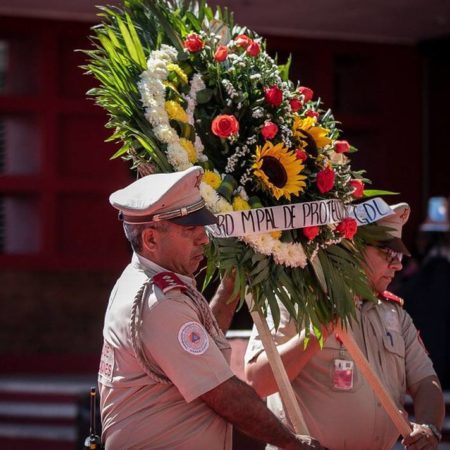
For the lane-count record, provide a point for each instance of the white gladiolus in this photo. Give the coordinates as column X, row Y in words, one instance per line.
column 177, row 156
column 153, row 93
column 223, row 206
column 210, row 196
column 165, row 133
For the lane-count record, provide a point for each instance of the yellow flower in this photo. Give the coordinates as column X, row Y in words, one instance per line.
column 311, row 136
column 176, row 111
column 240, row 204
column 179, row 71
column 275, row 234
column 190, row 149
column 212, row 178
column 279, row 170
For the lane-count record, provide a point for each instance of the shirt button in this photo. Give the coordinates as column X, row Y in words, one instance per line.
column 377, row 438
column 378, row 404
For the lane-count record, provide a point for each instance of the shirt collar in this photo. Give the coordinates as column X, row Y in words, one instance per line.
column 152, row 268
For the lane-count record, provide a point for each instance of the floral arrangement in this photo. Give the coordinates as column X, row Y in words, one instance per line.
column 185, row 86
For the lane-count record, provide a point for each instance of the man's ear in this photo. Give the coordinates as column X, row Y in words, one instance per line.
column 148, row 239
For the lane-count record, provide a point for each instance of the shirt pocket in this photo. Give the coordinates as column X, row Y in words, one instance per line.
column 394, row 363
column 394, row 344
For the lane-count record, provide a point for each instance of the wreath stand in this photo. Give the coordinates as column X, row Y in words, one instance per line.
column 285, row 388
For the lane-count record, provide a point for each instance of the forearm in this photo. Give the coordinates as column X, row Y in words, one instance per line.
column 428, row 400
column 239, row 404
column 429, row 410
column 294, row 356
column 223, row 304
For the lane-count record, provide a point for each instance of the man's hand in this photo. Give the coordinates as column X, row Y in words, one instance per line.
column 294, row 355
column 421, row 438
column 239, row 404
column 305, row 443
column 223, row 304
column 428, row 408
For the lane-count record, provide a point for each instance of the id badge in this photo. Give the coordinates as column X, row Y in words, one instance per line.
column 343, row 374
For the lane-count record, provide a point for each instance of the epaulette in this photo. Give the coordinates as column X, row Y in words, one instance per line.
column 390, row 297
column 167, row 281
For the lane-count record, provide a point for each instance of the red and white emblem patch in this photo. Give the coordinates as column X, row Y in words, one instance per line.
column 106, row 368
column 193, row 338
column 167, row 281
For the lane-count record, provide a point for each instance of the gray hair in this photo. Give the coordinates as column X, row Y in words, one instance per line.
column 133, row 232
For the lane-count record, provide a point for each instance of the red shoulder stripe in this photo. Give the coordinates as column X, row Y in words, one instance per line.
column 390, row 297
column 166, row 281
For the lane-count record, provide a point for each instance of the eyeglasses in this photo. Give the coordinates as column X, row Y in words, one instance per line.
column 390, row 255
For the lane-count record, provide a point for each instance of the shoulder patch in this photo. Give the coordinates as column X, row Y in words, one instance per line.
column 193, row 338
column 390, row 297
column 166, row 281
column 106, row 369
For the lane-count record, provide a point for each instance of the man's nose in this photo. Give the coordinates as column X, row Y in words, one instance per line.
column 396, row 265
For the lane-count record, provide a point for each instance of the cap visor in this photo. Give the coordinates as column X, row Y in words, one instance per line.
column 397, row 245
column 201, row 217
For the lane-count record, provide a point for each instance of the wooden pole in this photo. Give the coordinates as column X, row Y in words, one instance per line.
column 372, row 378
column 284, row 385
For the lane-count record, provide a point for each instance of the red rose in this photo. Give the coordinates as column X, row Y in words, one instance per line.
column 311, row 232
column 306, row 92
column 301, row 154
column 193, row 43
column 325, row 180
column 296, row 104
column 221, row 53
column 225, row 126
column 348, row 227
column 311, row 113
column 269, row 130
column 341, row 146
column 243, row 41
column 358, row 188
column 253, row 49
column 274, row 96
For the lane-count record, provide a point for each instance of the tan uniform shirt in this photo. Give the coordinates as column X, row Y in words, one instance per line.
column 140, row 413
column 354, row 419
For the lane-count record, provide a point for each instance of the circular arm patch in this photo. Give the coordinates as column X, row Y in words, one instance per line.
column 193, row 338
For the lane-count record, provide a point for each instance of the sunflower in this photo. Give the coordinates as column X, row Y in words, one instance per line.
column 311, row 136
column 279, row 170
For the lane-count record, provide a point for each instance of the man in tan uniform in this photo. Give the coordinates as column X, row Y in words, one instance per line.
column 339, row 406
column 165, row 381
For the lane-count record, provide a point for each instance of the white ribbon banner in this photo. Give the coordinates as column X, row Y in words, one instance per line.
column 297, row 215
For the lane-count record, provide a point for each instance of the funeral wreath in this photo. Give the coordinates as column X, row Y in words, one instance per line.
column 183, row 85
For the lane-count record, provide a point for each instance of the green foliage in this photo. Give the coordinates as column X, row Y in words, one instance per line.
column 377, row 192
